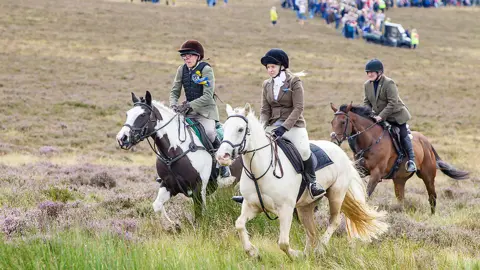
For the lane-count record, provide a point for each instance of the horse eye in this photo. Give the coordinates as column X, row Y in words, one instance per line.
column 240, row 130
column 143, row 114
column 343, row 122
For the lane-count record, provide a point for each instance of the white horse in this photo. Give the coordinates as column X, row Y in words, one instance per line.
column 244, row 134
column 183, row 164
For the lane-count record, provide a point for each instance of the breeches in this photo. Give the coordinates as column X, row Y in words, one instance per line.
column 299, row 137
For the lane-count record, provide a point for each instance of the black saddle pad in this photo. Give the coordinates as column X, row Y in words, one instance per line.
column 321, row 158
column 395, row 135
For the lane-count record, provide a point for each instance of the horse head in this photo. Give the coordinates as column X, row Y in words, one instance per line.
column 235, row 137
column 140, row 123
column 342, row 127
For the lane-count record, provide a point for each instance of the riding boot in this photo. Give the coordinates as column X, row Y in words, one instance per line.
column 224, row 170
column 238, row 199
column 407, row 144
column 311, row 177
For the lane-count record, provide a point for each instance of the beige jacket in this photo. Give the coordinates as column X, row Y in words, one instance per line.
column 289, row 105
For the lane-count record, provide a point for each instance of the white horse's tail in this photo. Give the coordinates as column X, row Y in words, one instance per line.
column 362, row 221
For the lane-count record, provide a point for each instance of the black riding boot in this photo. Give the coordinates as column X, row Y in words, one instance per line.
column 224, row 170
column 407, row 144
column 238, row 199
column 311, row 178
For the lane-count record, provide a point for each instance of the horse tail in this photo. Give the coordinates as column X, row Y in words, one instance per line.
column 448, row 169
column 362, row 221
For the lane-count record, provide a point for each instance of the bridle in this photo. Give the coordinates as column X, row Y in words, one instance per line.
column 138, row 134
column 350, row 138
column 274, row 161
column 345, row 136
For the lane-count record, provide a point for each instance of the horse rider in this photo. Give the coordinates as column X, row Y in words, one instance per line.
column 282, row 110
column 381, row 95
column 198, row 81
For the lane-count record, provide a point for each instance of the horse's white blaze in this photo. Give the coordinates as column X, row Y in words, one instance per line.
column 346, row 190
column 132, row 114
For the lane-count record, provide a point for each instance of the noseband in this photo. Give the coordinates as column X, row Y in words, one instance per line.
column 138, row 134
column 345, row 136
column 242, row 144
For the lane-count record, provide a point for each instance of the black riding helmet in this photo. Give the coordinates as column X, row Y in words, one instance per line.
column 374, row 65
column 276, row 57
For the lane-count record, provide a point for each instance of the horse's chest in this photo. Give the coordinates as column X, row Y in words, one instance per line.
column 180, row 177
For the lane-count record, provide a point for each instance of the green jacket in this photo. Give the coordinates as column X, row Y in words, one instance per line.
column 387, row 103
column 204, row 105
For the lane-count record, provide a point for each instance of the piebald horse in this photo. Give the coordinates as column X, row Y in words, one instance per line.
column 244, row 135
column 183, row 164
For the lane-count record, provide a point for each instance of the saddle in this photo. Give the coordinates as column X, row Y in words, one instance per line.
column 398, row 145
column 320, row 159
column 209, row 147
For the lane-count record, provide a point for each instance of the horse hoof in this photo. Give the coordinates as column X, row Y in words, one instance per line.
column 295, row 254
column 226, row 181
column 320, row 250
column 173, row 228
column 253, row 252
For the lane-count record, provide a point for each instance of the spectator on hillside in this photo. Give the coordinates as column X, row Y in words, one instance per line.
column 379, row 18
column 415, row 38
column 382, row 6
column 273, row 15
column 302, row 10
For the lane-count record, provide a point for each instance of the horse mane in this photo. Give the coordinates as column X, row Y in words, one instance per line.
column 253, row 121
column 363, row 111
column 161, row 107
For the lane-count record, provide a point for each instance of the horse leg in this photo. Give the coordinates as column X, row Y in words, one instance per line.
column 203, row 193
column 399, row 186
column 247, row 214
column 305, row 214
column 158, row 205
column 197, row 204
column 335, row 207
column 285, row 215
column 429, row 180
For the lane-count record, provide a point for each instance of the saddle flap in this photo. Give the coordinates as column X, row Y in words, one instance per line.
column 396, row 139
column 321, row 159
column 292, row 154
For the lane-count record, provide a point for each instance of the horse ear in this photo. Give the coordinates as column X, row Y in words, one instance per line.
column 148, row 98
column 134, row 98
column 349, row 107
column 248, row 109
column 334, row 109
column 229, row 109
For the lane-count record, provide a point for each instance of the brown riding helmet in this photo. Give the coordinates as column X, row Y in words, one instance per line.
column 192, row 47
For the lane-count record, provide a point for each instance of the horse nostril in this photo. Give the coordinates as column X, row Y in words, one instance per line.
column 124, row 139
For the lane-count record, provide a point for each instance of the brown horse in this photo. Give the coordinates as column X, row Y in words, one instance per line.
column 375, row 152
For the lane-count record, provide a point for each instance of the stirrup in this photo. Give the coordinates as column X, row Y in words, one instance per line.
column 238, row 199
column 322, row 191
column 225, row 171
column 413, row 164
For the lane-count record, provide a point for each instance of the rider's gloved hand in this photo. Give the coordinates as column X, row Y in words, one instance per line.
column 278, row 132
column 185, row 107
column 174, row 108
